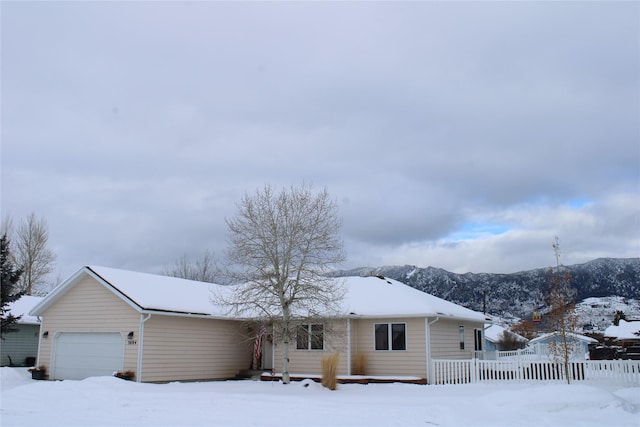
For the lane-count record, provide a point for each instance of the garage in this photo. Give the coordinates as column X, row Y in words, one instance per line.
column 78, row 355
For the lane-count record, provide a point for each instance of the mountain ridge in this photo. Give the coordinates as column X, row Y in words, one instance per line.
column 514, row 295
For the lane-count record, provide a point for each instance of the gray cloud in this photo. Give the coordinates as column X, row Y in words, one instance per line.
column 135, row 127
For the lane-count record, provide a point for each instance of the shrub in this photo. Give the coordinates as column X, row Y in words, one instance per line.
column 359, row 364
column 330, row 371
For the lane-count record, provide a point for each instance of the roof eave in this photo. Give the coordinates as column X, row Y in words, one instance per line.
column 416, row 315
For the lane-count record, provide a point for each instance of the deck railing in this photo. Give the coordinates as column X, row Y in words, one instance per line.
column 614, row 372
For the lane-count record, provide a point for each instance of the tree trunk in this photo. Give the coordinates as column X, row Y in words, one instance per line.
column 285, row 342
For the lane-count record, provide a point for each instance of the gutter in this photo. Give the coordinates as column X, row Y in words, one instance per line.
column 143, row 319
column 39, row 341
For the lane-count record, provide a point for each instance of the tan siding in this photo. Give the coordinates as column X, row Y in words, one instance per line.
column 309, row 361
column 90, row 307
column 409, row 362
column 182, row 348
column 445, row 342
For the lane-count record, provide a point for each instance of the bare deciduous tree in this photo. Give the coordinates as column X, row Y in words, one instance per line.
column 282, row 245
column 510, row 341
column 32, row 254
column 205, row 269
column 561, row 316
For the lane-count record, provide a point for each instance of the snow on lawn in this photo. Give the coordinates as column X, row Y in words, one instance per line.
column 106, row 401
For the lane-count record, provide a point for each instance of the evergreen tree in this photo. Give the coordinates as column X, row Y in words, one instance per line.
column 618, row 317
column 10, row 276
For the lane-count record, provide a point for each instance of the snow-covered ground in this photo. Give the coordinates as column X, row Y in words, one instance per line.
column 105, row 401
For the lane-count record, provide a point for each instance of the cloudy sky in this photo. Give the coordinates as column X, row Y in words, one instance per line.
column 458, row 135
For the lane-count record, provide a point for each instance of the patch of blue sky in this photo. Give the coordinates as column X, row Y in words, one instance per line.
column 579, row 202
column 477, row 230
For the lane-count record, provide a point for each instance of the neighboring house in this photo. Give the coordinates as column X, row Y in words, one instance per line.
column 103, row 320
column 579, row 343
column 494, row 335
column 626, row 334
column 21, row 348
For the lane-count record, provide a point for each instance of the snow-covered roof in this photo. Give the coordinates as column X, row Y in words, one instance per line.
column 624, row 331
column 146, row 292
column 22, row 307
column 364, row 296
column 373, row 296
column 569, row 334
column 494, row 334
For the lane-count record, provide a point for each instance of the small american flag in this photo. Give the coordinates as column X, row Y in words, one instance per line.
column 257, row 344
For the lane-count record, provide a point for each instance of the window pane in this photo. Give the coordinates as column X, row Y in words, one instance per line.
column 382, row 336
column 398, row 336
column 302, row 337
column 478, row 340
column 461, row 330
column 317, row 337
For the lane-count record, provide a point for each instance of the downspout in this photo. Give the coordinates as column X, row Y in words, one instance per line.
column 427, row 331
column 348, row 346
column 141, row 344
column 40, row 343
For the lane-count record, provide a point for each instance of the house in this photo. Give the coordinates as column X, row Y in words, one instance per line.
column 625, row 334
column 579, row 343
column 102, row 320
column 21, row 347
column 494, row 335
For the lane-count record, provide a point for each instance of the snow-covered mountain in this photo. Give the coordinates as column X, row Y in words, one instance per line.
column 596, row 313
column 517, row 295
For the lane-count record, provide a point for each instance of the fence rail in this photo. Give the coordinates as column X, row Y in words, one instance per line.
column 619, row 372
column 538, row 352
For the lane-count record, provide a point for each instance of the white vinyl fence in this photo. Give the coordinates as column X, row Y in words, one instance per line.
column 618, row 372
column 538, row 352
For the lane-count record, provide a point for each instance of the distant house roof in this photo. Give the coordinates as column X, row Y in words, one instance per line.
column 494, row 333
column 624, row 331
column 22, row 307
column 579, row 337
column 364, row 296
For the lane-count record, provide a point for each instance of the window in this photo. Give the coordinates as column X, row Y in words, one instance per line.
column 310, row 337
column 390, row 336
column 461, row 332
column 478, row 339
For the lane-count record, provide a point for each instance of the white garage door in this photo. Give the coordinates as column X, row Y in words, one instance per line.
column 79, row 355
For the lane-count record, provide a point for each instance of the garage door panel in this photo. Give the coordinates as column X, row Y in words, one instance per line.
column 80, row 355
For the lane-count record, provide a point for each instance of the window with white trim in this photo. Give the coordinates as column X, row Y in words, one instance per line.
column 390, row 336
column 310, row 337
column 461, row 332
